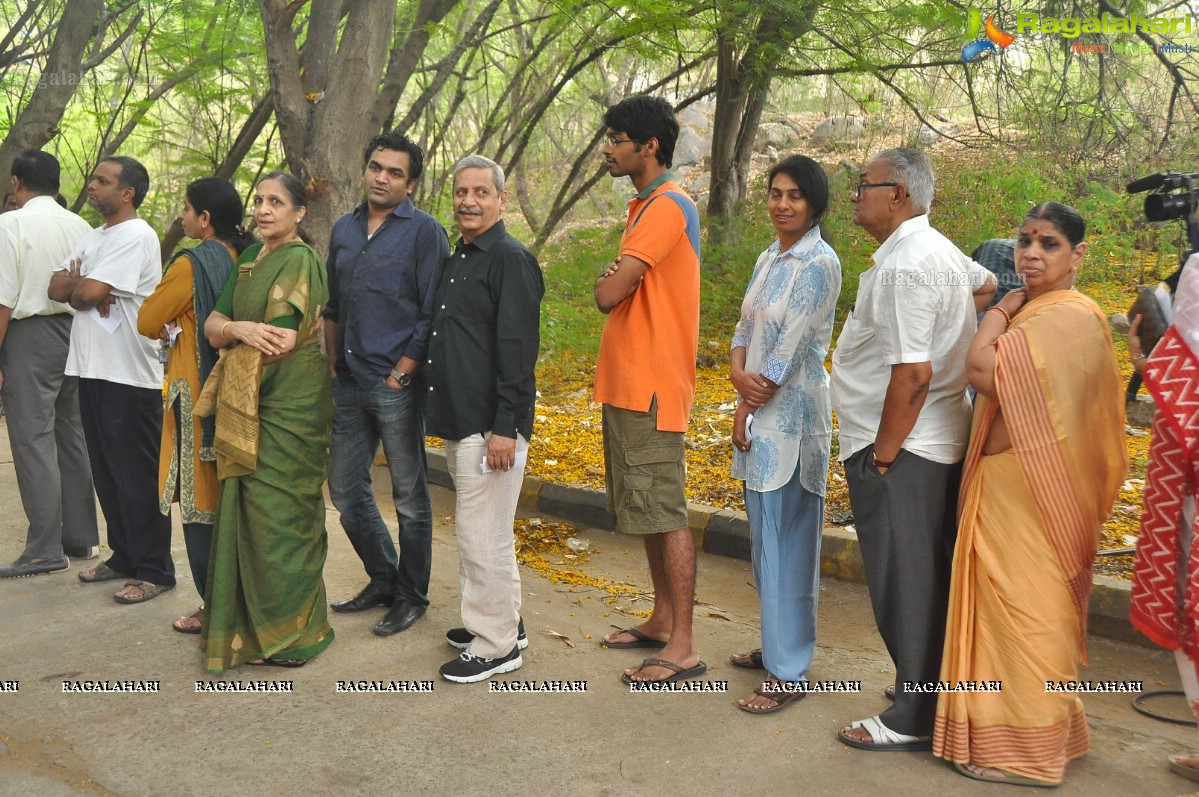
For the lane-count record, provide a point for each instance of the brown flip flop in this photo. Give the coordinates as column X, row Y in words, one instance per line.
column 183, row 626
column 640, row 640
column 750, row 661
column 781, row 698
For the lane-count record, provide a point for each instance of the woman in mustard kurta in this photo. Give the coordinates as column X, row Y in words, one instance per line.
column 174, row 314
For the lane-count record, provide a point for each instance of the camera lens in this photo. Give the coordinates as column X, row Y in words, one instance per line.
column 1163, row 207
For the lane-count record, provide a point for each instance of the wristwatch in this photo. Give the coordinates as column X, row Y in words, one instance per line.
column 401, row 377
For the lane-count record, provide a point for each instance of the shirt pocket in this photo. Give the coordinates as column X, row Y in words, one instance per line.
column 381, row 280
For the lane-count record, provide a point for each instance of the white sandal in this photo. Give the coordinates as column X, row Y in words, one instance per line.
column 882, row 737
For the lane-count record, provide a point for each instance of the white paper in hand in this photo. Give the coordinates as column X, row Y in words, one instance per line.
column 522, row 456
column 110, row 324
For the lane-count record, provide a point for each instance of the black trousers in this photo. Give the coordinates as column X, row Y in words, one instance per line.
column 123, row 427
column 907, row 524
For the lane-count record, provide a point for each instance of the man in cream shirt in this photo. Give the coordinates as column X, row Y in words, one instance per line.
column 44, row 431
column 899, row 390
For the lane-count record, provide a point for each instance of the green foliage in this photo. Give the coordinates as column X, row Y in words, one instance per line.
column 570, row 322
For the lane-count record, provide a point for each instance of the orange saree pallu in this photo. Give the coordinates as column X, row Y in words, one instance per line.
column 1029, row 521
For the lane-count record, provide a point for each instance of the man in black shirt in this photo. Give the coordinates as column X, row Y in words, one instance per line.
column 482, row 355
column 385, row 258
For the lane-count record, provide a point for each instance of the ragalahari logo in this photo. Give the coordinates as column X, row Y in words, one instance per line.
column 983, row 36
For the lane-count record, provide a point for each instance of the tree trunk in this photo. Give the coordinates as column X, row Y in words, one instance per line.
column 38, row 120
column 331, row 97
column 743, row 79
column 725, row 188
column 319, row 97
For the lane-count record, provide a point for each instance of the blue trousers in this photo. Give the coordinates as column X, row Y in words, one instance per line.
column 364, row 418
column 786, row 529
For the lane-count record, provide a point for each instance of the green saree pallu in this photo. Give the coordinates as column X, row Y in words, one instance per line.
column 266, row 594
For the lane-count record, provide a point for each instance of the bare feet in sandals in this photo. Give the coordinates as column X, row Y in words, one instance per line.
column 872, row 734
column 642, row 636
column 190, row 624
column 140, row 591
column 1185, row 764
column 771, row 696
column 683, row 664
column 749, row 659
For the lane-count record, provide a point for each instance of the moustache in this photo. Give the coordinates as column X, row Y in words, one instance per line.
column 463, row 211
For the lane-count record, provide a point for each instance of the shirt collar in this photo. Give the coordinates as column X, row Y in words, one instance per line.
column 914, row 224
column 806, row 241
column 404, row 210
column 665, row 177
column 40, row 200
column 485, row 241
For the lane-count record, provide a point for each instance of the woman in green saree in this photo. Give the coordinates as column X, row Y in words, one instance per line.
column 271, row 395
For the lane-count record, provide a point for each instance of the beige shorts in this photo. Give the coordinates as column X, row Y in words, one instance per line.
column 645, row 471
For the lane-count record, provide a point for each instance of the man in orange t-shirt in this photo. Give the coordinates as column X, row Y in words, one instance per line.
column 645, row 379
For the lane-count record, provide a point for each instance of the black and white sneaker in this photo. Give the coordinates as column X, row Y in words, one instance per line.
column 461, row 638
column 468, row 668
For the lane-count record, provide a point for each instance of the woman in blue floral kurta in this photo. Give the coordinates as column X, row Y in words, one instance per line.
column 783, row 424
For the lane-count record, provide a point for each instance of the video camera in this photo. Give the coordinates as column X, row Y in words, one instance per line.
column 1174, row 196
column 1167, row 201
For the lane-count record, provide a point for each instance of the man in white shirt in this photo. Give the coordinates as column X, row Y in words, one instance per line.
column 108, row 276
column 899, row 390
column 44, row 430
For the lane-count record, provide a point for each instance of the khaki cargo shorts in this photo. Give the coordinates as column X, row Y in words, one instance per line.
column 644, row 471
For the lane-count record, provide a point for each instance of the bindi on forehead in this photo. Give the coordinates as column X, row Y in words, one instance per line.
column 1036, row 230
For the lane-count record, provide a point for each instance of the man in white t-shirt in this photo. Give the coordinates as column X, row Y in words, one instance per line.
column 107, row 277
column 44, row 431
column 899, row 390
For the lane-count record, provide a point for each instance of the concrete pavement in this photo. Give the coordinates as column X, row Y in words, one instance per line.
column 464, row 738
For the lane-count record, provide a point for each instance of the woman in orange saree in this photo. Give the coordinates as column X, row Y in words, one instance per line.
column 1045, row 461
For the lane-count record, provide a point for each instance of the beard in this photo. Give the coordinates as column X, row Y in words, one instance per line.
column 105, row 209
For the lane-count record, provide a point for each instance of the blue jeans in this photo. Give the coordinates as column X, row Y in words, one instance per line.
column 364, row 418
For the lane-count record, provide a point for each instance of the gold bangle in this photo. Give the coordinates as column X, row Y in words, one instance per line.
column 224, row 326
column 1007, row 319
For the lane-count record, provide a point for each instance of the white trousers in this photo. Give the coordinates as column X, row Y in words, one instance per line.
column 484, row 508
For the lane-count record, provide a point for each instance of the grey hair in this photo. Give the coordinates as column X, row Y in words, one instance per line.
column 479, row 162
column 912, row 169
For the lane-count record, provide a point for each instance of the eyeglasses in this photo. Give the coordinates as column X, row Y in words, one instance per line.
column 615, row 142
column 857, row 189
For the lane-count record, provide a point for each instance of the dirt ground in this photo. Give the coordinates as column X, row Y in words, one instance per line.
column 465, row 738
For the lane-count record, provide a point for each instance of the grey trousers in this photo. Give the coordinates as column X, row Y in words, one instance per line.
column 907, row 524
column 46, row 435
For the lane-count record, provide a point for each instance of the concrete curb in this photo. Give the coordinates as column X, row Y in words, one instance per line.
column 726, row 533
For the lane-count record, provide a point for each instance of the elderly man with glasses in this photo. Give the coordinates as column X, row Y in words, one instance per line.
column 899, row 390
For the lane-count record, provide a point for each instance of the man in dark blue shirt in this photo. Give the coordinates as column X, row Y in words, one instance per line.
column 998, row 255
column 481, row 364
column 385, row 260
